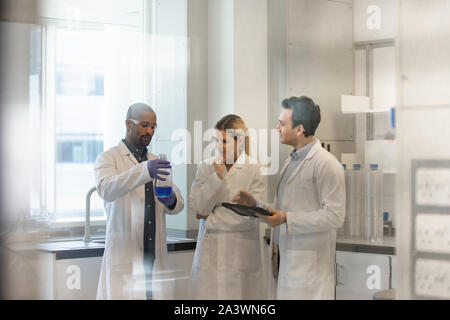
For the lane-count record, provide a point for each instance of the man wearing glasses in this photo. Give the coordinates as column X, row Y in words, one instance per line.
column 135, row 263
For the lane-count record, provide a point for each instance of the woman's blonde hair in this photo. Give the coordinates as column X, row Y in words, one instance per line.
column 234, row 122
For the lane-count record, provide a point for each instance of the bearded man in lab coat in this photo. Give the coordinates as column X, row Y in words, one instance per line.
column 310, row 207
column 135, row 262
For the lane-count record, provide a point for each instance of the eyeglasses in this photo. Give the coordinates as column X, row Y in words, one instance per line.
column 144, row 124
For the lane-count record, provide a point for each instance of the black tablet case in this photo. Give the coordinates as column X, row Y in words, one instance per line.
column 245, row 210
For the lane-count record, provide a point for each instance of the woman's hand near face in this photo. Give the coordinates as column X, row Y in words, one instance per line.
column 219, row 166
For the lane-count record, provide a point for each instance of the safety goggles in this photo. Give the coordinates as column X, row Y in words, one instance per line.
column 144, row 124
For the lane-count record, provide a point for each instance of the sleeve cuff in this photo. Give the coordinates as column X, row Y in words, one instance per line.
column 172, row 207
column 146, row 172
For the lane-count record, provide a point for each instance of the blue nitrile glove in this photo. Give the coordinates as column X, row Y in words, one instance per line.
column 153, row 167
column 169, row 201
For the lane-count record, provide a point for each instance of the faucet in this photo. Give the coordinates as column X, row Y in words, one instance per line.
column 87, row 223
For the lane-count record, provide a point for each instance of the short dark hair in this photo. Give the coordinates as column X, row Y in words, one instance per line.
column 135, row 109
column 304, row 112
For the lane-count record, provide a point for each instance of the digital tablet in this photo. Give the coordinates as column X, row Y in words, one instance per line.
column 245, row 210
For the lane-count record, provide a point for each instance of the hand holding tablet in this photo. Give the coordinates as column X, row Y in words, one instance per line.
column 245, row 210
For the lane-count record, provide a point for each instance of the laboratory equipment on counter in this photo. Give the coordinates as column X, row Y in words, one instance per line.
column 355, row 199
column 372, row 215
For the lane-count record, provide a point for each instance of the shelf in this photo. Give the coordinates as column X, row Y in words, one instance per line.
column 358, row 104
column 367, row 111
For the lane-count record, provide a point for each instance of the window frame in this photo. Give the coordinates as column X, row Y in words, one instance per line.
column 47, row 117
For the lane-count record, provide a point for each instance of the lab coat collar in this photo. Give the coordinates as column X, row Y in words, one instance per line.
column 241, row 161
column 123, row 148
column 311, row 153
column 124, row 151
column 133, row 149
column 316, row 147
column 285, row 165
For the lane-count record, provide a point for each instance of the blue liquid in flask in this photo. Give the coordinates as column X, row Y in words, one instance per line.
column 163, row 192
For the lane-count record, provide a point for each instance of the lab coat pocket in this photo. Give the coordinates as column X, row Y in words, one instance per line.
column 119, row 255
column 301, row 267
column 247, row 254
column 307, row 183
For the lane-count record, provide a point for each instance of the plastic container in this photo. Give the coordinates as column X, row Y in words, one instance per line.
column 372, row 225
column 355, row 200
column 163, row 189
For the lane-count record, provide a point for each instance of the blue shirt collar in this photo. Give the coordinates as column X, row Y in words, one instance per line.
column 139, row 154
column 301, row 153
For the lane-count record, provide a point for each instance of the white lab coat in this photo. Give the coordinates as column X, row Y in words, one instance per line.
column 227, row 262
column 314, row 200
column 121, row 182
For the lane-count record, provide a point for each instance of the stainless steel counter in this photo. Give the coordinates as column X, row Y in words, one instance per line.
column 386, row 246
column 75, row 248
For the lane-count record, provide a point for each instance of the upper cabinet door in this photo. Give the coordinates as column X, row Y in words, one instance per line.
column 374, row 19
column 320, row 61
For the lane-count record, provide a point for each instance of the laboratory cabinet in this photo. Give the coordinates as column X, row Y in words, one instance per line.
column 181, row 263
column 77, row 278
column 360, row 275
column 69, row 278
column 74, row 274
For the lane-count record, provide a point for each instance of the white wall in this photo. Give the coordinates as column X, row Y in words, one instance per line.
column 170, row 62
column 220, row 59
column 250, row 62
column 277, row 75
column 422, row 127
column 197, row 83
column 15, row 129
column 23, row 11
column 425, row 52
column 320, row 64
